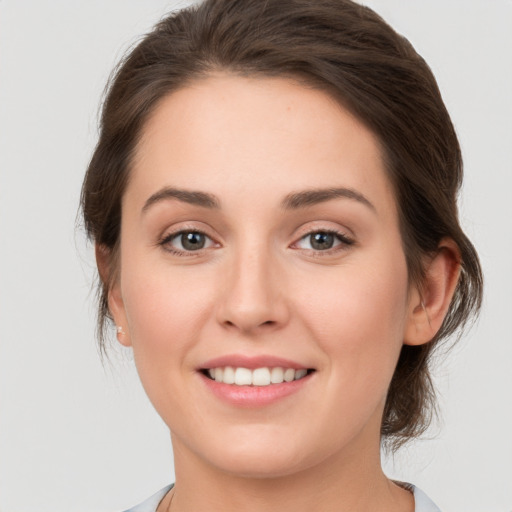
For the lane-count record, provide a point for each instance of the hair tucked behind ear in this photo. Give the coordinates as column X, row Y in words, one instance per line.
column 351, row 53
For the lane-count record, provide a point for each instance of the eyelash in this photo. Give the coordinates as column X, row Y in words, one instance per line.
column 167, row 239
column 343, row 238
column 345, row 242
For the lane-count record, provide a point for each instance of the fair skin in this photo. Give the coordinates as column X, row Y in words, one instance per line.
column 270, row 275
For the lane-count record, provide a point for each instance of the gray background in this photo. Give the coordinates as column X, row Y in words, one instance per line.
column 75, row 436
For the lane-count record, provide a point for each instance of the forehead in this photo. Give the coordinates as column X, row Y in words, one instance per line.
column 262, row 136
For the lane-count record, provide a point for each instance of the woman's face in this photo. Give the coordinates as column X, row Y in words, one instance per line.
column 260, row 240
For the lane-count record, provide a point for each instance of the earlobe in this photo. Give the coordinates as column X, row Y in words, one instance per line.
column 122, row 337
column 116, row 308
column 110, row 281
column 429, row 306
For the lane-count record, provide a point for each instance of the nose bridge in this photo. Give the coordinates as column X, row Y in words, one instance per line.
column 253, row 293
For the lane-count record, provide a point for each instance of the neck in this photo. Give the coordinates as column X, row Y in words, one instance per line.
column 346, row 482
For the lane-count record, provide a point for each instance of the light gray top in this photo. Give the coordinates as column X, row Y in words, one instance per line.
column 422, row 502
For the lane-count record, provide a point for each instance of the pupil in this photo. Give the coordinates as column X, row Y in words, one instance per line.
column 322, row 241
column 192, row 241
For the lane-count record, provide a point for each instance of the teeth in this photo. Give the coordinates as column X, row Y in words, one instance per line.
column 258, row 377
column 289, row 374
column 229, row 375
column 276, row 375
column 300, row 373
column 243, row 377
column 261, row 377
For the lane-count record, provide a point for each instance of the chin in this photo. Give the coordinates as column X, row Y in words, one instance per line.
column 262, row 458
column 261, row 466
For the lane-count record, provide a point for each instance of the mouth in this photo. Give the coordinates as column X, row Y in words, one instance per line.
column 260, row 377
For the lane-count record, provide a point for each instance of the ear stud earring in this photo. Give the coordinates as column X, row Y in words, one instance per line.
column 120, row 331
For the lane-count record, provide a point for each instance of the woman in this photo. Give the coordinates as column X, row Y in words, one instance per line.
column 273, row 203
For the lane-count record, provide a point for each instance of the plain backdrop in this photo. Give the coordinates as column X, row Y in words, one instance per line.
column 77, row 436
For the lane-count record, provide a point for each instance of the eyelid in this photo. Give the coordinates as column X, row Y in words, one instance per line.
column 345, row 240
column 170, row 235
column 343, row 236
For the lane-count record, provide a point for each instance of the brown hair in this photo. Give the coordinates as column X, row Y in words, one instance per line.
column 350, row 52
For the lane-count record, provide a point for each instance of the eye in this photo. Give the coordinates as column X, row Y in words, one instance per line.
column 186, row 241
column 323, row 241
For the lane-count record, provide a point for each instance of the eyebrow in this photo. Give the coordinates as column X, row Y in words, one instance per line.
column 293, row 201
column 187, row 196
column 307, row 198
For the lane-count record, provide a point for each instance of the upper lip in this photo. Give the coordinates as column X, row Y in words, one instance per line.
column 251, row 362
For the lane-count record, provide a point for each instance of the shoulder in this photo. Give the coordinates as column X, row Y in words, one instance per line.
column 422, row 502
column 151, row 504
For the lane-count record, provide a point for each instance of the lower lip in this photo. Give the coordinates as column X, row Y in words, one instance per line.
column 254, row 396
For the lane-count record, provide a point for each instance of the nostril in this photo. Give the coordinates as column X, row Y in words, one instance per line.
column 266, row 323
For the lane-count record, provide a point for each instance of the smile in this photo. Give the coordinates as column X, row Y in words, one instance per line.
column 265, row 376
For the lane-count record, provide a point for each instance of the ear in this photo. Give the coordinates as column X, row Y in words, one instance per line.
column 110, row 278
column 428, row 306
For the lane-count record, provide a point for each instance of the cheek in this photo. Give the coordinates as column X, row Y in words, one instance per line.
column 358, row 317
column 164, row 308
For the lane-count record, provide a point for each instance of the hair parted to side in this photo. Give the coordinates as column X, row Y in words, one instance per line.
column 350, row 52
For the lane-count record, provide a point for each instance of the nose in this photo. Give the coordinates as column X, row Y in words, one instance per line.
column 253, row 293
